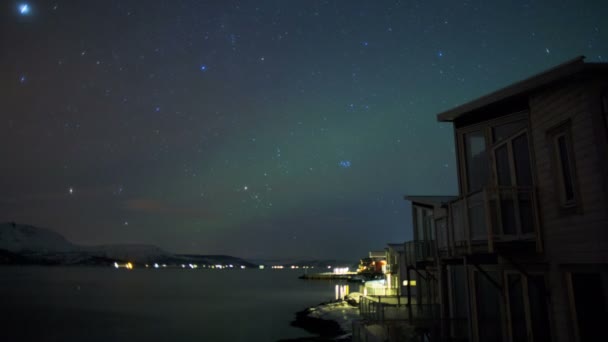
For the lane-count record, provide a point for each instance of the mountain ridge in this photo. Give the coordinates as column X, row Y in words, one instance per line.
column 28, row 244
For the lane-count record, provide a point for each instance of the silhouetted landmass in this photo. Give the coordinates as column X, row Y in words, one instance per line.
column 30, row 245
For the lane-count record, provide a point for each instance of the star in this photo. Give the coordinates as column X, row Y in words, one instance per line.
column 22, row 79
column 24, row 9
column 203, row 67
column 71, row 191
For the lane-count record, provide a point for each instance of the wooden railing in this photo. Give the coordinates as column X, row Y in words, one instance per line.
column 395, row 308
column 487, row 217
column 419, row 251
column 444, row 330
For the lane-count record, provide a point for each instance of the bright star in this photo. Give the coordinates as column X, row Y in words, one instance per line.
column 71, row 191
column 22, row 79
column 440, row 54
column 203, row 67
column 24, row 9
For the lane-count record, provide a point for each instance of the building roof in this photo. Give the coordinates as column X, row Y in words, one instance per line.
column 399, row 247
column 430, row 200
column 535, row 82
column 377, row 254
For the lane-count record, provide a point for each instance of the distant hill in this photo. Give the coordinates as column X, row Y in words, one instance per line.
column 26, row 244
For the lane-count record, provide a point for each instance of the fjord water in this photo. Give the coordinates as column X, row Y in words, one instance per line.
column 106, row 304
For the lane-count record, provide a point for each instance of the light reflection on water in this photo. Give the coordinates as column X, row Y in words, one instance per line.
column 106, row 304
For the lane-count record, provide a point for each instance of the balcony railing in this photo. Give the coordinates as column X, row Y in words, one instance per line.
column 419, row 251
column 396, row 308
column 444, row 330
column 487, row 217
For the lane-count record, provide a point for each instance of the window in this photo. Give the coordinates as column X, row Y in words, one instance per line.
column 423, row 224
column 512, row 168
column 527, row 307
column 564, row 161
column 564, row 170
column 489, row 299
column 605, row 108
column 590, row 305
column 517, row 308
column 476, row 160
column 506, row 130
column 539, row 312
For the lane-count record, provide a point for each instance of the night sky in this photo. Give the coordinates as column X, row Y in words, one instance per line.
column 254, row 128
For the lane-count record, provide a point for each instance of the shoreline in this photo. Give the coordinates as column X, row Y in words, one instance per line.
column 330, row 321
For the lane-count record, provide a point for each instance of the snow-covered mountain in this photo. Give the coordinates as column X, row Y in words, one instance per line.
column 19, row 238
column 33, row 245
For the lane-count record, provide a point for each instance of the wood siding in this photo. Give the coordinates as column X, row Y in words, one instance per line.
column 580, row 235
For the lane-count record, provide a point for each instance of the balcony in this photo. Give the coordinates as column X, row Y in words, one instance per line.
column 449, row 329
column 393, row 308
column 419, row 253
column 485, row 220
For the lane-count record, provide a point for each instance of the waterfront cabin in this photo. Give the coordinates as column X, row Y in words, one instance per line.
column 525, row 250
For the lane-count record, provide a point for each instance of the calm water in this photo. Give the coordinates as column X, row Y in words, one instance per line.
column 105, row 304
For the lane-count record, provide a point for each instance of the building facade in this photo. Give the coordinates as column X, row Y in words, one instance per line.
column 523, row 252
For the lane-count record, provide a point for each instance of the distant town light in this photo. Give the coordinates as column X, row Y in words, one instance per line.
column 341, row 270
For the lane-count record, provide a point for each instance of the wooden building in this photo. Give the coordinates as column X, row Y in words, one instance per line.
column 522, row 254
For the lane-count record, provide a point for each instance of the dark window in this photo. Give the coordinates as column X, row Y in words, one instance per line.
column 521, row 156
column 503, row 171
column 605, row 108
column 565, row 168
column 488, row 306
column 539, row 313
column 506, row 130
column 459, row 302
column 476, row 160
column 590, row 305
column 516, row 306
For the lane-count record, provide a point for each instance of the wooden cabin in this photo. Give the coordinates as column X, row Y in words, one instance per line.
column 523, row 250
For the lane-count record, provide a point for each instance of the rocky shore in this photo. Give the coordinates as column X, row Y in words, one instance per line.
column 331, row 321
